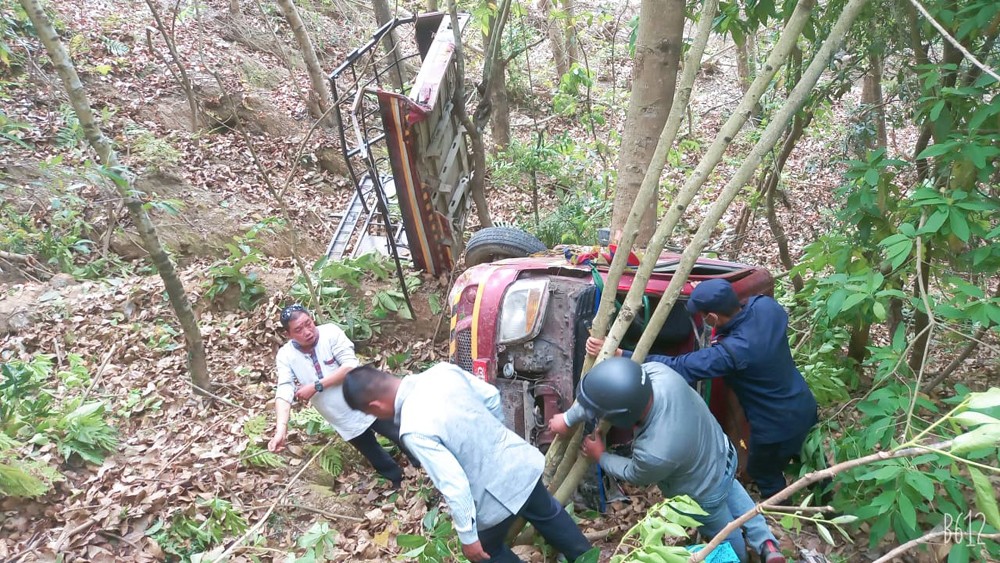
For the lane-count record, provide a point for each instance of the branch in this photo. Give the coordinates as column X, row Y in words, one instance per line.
column 926, row 538
column 809, row 479
column 965, row 52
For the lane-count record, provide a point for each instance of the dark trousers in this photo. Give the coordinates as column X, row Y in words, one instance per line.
column 548, row 517
column 766, row 463
column 367, row 444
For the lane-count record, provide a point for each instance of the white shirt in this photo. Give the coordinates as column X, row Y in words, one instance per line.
column 333, row 349
column 453, row 423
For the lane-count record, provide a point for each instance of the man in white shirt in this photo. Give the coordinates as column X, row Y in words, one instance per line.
column 311, row 367
column 489, row 476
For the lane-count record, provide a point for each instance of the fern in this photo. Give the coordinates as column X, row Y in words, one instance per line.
column 115, row 47
column 331, row 461
column 25, row 477
column 15, row 482
column 71, row 133
column 256, row 456
column 255, row 426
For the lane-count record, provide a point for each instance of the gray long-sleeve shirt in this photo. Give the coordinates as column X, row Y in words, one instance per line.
column 679, row 446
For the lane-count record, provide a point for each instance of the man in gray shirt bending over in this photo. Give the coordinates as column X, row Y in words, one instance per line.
column 678, row 445
column 453, row 423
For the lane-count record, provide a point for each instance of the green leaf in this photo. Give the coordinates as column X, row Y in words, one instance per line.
column 935, row 221
column 853, row 299
column 973, row 418
column 920, row 483
column 959, row 226
column 986, row 499
column 985, row 436
column 824, row 533
column 434, row 302
column 985, row 399
column 906, row 510
column 959, row 553
column 844, row 519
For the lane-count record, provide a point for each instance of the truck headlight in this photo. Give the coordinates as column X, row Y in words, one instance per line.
column 523, row 310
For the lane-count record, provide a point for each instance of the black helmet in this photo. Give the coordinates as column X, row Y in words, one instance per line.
column 616, row 390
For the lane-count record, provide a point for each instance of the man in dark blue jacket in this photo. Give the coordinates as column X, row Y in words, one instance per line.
column 751, row 352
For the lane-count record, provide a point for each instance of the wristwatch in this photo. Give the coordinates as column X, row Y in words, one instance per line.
column 319, row 386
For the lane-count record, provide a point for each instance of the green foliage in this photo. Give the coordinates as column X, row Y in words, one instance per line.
column 338, row 284
column 196, row 529
column 909, row 496
column 667, row 519
column 319, row 543
column 331, row 460
column 85, row 433
column 229, row 271
column 574, row 221
column 254, row 455
column 58, row 235
column 439, row 544
column 14, row 22
column 154, row 151
column 31, row 420
column 311, row 422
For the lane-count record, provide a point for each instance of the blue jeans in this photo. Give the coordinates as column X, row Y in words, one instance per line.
column 728, row 502
column 550, row 520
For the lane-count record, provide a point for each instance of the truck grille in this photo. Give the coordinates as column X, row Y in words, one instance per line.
column 463, row 352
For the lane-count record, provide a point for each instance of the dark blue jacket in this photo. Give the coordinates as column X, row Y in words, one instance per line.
column 753, row 356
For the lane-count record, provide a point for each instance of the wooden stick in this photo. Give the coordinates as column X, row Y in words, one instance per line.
column 926, row 538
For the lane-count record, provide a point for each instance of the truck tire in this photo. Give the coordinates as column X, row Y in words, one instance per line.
column 497, row 243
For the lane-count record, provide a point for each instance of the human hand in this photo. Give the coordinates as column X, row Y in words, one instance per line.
column 474, row 552
column 305, row 392
column 593, row 446
column 594, row 345
column 557, row 424
column 277, row 443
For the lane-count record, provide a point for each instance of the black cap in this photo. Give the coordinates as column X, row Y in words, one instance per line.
column 713, row 296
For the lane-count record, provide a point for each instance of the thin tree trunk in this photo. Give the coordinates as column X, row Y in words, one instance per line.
column 320, row 86
column 77, row 94
column 500, row 106
column 477, row 185
column 654, row 77
column 234, row 7
column 390, row 44
column 784, row 47
column 871, row 96
column 799, row 124
column 557, row 39
column 743, row 65
column 181, row 73
column 432, row 5
column 565, row 450
column 569, row 29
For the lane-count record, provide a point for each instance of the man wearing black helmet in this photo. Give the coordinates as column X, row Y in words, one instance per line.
column 678, row 445
column 311, row 368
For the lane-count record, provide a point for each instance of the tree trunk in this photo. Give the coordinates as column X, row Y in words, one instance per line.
column 500, row 106
column 654, row 76
column 871, row 96
column 320, row 87
column 432, row 5
column 557, row 39
column 397, row 75
column 743, row 65
column 234, row 7
column 569, row 28
column 181, row 73
column 477, row 185
column 102, row 146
